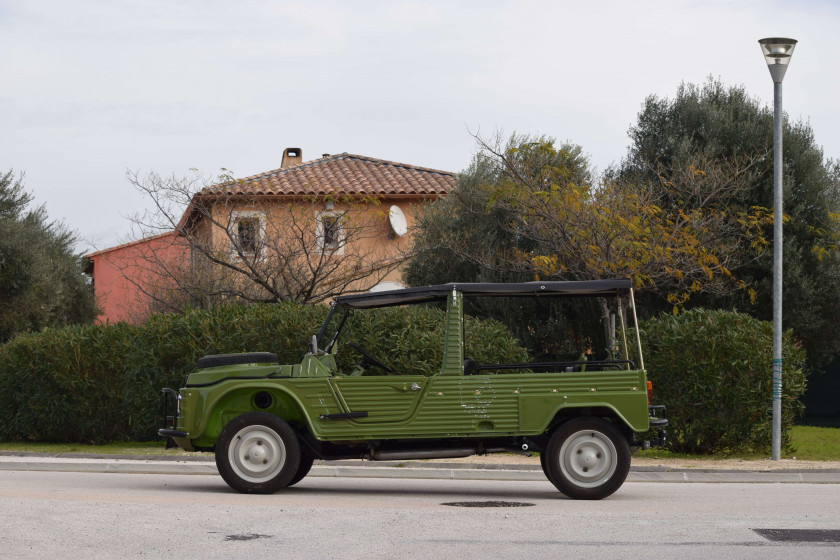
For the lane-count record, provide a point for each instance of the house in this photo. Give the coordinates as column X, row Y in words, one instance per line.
column 305, row 232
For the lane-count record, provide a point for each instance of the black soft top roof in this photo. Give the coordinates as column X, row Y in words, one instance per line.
column 591, row 288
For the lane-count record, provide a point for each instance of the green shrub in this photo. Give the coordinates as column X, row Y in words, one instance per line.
column 66, row 384
column 102, row 383
column 713, row 370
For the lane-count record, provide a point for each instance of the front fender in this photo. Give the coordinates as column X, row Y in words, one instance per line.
column 226, row 403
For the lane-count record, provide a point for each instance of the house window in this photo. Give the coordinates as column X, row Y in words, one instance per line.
column 330, row 233
column 247, row 233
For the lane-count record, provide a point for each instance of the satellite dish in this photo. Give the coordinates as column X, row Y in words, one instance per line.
column 385, row 286
column 397, row 219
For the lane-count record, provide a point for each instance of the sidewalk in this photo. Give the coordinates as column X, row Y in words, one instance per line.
column 473, row 468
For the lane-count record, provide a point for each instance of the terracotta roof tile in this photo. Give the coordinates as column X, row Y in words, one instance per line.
column 342, row 174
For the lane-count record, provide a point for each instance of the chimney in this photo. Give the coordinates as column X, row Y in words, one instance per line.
column 291, row 157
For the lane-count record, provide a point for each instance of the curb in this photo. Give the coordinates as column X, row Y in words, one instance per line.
column 407, row 470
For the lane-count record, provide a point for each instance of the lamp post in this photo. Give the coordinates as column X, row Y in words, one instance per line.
column 777, row 52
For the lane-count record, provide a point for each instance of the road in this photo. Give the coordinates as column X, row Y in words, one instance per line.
column 86, row 515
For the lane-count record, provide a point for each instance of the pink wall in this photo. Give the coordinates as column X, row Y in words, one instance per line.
column 116, row 270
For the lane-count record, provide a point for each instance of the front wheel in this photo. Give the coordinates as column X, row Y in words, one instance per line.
column 587, row 458
column 257, row 453
column 306, row 460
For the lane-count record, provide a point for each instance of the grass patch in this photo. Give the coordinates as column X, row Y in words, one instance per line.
column 814, row 443
column 810, row 443
column 121, row 448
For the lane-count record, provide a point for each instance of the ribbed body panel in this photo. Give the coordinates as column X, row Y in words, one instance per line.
column 316, row 395
column 453, row 349
column 385, row 399
column 510, row 404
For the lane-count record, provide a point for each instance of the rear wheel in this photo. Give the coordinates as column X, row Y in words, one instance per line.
column 587, row 458
column 258, row 453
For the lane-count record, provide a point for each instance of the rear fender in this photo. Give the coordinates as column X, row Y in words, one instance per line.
column 607, row 411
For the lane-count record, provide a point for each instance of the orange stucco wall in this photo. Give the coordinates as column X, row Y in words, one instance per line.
column 376, row 246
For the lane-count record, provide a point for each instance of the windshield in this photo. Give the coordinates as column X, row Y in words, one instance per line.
column 330, row 330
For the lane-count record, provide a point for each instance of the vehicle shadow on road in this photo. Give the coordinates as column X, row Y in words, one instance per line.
column 449, row 489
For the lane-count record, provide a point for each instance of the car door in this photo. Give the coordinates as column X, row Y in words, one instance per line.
column 386, row 398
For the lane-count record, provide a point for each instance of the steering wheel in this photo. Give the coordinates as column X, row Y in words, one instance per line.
column 369, row 359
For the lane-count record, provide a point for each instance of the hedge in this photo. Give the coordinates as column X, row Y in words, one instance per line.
column 713, row 371
column 102, row 383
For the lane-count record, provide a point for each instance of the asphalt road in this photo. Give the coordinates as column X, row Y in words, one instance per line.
column 93, row 515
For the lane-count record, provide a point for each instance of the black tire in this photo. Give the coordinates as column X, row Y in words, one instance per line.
column 305, row 465
column 215, row 360
column 543, row 464
column 257, row 453
column 587, row 458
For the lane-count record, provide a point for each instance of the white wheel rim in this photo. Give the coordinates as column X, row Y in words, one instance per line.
column 257, row 453
column 588, row 458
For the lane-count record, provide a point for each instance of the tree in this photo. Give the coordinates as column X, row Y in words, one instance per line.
column 253, row 248
column 464, row 238
column 41, row 279
column 713, row 125
column 530, row 210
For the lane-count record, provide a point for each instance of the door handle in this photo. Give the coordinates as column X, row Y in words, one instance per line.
column 407, row 387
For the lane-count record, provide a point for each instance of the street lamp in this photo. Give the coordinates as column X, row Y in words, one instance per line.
column 777, row 52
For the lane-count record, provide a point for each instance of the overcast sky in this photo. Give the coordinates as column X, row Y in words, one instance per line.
column 90, row 89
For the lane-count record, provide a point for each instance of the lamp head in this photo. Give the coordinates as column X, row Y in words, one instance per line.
column 777, row 52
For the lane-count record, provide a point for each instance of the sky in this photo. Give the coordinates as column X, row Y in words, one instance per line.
column 90, row 90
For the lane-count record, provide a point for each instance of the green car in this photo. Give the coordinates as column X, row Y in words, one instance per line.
column 268, row 422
